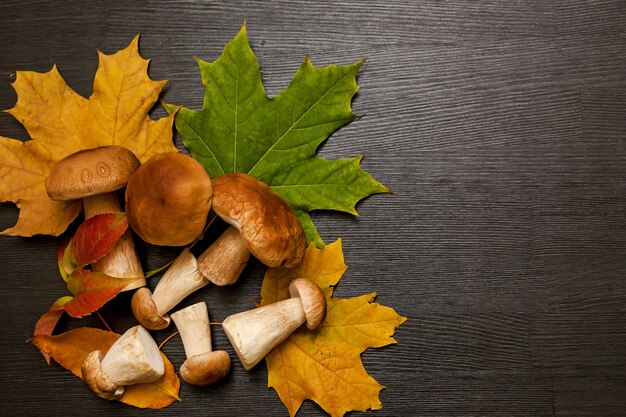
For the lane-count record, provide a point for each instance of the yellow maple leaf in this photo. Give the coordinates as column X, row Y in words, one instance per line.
column 61, row 122
column 325, row 365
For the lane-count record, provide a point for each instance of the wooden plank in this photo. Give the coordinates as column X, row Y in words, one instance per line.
column 500, row 127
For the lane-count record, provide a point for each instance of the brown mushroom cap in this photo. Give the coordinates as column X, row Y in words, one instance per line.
column 145, row 310
column 90, row 172
column 168, row 199
column 312, row 299
column 206, row 369
column 266, row 222
column 98, row 381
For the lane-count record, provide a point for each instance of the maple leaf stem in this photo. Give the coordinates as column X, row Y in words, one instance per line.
column 156, row 271
column 199, row 238
column 103, row 321
column 167, row 265
column 167, row 339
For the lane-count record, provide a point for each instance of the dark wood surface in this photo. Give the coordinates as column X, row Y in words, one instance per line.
column 501, row 127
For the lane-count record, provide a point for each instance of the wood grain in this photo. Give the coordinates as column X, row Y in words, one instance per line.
column 501, row 128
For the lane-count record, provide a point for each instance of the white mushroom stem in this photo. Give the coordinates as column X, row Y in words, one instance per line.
column 203, row 366
column 224, row 260
column 193, row 326
column 122, row 261
column 181, row 279
column 133, row 359
column 255, row 333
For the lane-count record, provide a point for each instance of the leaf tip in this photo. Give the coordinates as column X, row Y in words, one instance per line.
column 171, row 109
column 243, row 32
column 135, row 42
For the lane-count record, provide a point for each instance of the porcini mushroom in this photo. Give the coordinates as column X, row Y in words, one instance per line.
column 262, row 223
column 255, row 333
column 181, row 279
column 203, row 366
column 93, row 175
column 133, row 359
column 168, row 199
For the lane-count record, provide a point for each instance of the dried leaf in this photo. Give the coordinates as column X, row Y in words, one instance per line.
column 61, row 122
column 64, row 259
column 306, row 364
column 91, row 291
column 275, row 139
column 71, row 348
column 96, row 237
column 48, row 320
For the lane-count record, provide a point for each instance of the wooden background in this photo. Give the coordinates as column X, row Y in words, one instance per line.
column 501, row 127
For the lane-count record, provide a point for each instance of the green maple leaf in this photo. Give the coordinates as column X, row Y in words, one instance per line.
column 241, row 129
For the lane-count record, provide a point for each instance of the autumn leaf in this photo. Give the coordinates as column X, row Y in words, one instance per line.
column 64, row 259
column 48, row 320
column 96, row 236
column 91, row 291
column 275, row 139
column 71, row 348
column 61, row 122
column 306, row 364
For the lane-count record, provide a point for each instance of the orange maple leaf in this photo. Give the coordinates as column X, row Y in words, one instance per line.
column 61, row 122
column 71, row 348
column 325, row 365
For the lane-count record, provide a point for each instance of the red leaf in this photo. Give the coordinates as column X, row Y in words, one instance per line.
column 97, row 236
column 91, row 291
column 48, row 320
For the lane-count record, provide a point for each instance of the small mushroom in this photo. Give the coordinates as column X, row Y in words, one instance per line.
column 203, row 365
column 255, row 333
column 181, row 279
column 262, row 223
column 93, row 175
column 168, row 199
column 133, row 359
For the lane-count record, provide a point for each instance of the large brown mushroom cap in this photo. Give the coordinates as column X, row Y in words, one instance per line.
column 145, row 310
column 90, row 172
column 206, row 369
column 266, row 222
column 168, row 199
column 98, row 381
column 312, row 299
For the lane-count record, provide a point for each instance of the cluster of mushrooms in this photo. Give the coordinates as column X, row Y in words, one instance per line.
column 168, row 200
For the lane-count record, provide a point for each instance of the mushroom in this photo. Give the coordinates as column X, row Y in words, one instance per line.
column 262, row 223
column 269, row 229
column 168, row 199
column 93, row 175
column 256, row 332
column 133, row 359
column 181, row 279
column 203, row 365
